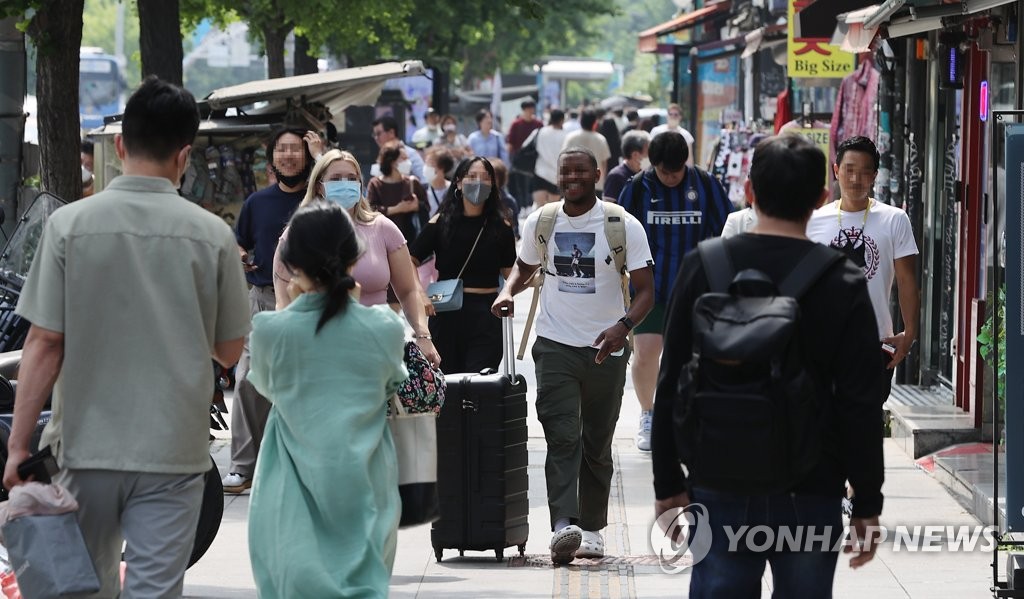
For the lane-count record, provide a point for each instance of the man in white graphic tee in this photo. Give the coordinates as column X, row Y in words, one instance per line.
column 580, row 352
column 878, row 238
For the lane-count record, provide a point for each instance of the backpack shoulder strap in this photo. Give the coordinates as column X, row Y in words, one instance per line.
column 810, row 268
column 717, row 264
column 615, row 232
column 545, row 228
column 637, row 193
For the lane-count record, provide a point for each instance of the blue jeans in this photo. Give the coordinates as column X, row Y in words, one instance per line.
column 735, row 572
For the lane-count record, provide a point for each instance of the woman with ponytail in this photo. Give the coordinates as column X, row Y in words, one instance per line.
column 324, row 511
column 385, row 261
column 470, row 237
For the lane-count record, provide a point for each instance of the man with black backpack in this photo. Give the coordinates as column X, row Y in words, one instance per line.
column 679, row 206
column 762, row 394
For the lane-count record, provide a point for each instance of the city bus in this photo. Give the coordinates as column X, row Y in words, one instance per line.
column 101, row 87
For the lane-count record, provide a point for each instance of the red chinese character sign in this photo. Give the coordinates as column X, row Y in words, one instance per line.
column 811, row 25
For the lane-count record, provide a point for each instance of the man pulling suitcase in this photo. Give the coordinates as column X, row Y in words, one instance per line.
column 581, row 352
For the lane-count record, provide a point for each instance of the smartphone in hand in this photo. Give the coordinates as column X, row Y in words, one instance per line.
column 40, row 467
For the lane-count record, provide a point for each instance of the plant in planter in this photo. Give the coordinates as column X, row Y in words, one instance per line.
column 987, row 346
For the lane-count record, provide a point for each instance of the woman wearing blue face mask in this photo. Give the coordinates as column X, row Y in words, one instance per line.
column 472, row 234
column 385, row 261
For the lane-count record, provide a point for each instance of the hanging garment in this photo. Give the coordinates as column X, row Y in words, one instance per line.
column 854, row 113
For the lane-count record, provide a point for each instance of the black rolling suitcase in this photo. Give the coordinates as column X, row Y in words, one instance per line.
column 482, row 480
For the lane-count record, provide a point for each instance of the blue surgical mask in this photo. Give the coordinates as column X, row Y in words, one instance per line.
column 344, row 193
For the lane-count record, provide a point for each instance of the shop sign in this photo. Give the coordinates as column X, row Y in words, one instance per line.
column 809, row 52
column 820, row 138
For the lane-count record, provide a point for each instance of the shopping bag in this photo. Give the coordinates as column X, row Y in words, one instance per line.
column 49, row 556
column 415, row 438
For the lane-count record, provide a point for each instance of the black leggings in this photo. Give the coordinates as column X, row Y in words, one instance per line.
column 469, row 340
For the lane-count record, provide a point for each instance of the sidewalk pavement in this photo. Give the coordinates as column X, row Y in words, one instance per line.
column 629, row 568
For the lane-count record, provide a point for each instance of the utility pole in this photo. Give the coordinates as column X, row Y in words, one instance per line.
column 12, row 118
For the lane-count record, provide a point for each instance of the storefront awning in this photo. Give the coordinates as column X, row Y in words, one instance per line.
column 335, row 89
column 851, row 34
column 648, row 41
column 901, row 20
column 764, row 38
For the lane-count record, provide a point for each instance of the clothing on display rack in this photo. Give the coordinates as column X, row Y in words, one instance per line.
column 783, row 109
column 855, row 113
column 731, row 158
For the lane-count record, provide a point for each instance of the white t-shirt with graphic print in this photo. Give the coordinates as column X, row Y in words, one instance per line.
column 874, row 245
column 582, row 294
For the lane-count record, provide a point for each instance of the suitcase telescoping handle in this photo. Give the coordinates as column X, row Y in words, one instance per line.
column 509, row 346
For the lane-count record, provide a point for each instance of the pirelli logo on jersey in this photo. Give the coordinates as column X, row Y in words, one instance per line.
column 681, row 217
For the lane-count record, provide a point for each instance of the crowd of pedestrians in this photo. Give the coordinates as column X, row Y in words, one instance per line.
column 330, row 260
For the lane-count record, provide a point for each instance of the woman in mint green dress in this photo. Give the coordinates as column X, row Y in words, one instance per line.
column 324, row 511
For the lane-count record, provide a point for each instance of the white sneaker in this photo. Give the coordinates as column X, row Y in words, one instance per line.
column 235, row 483
column 643, row 438
column 592, row 545
column 564, row 544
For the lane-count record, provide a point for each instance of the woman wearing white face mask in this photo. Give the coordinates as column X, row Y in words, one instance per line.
column 385, row 261
column 471, row 235
column 396, row 194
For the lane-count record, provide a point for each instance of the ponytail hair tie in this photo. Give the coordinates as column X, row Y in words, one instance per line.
column 347, row 282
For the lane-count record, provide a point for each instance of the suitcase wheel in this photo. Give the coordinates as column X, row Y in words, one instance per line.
column 522, row 550
column 437, row 553
column 499, row 554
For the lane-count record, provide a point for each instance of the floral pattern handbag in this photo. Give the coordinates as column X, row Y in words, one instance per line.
column 424, row 390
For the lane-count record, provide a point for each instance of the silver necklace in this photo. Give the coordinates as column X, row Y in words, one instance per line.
column 590, row 215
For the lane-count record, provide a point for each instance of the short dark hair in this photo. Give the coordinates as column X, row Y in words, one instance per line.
column 481, row 115
column 387, row 123
column 444, row 161
column 88, row 147
column 388, row 155
column 527, row 103
column 587, row 119
column 787, row 173
column 276, row 135
column 322, row 241
column 578, row 150
column 861, row 144
column 159, row 120
column 557, row 116
column 669, row 151
column 634, row 141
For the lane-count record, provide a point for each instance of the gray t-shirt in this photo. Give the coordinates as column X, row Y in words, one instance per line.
column 142, row 283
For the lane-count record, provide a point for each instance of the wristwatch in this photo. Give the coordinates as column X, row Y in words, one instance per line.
column 626, row 322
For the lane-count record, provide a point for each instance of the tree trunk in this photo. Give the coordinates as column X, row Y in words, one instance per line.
column 57, row 31
column 160, row 39
column 273, row 41
column 305, row 60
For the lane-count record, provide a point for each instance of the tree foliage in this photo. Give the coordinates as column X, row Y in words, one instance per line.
column 55, row 27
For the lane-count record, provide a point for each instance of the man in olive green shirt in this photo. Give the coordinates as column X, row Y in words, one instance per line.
column 130, row 293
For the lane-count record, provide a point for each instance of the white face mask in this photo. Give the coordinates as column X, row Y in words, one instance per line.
column 375, row 169
column 645, row 163
column 404, row 167
column 429, row 172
